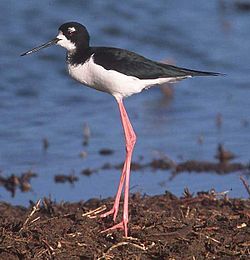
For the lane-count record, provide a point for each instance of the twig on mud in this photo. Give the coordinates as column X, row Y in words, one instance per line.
column 142, row 246
column 132, row 238
column 187, row 212
column 34, row 220
column 49, row 246
column 108, row 256
column 207, row 237
column 35, row 208
column 246, row 185
column 40, row 253
column 222, row 194
column 93, row 213
column 137, row 239
column 51, row 250
column 213, row 239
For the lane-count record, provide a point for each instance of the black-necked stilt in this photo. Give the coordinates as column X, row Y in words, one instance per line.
column 120, row 73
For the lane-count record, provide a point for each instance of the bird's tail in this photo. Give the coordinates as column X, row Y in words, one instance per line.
column 183, row 72
column 201, row 73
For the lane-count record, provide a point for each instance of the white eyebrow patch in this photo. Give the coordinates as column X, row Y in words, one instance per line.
column 71, row 29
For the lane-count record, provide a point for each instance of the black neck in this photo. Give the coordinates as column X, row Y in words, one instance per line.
column 79, row 56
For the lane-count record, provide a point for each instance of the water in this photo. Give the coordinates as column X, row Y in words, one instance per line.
column 39, row 100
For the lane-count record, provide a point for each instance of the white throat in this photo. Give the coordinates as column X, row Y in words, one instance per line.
column 65, row 43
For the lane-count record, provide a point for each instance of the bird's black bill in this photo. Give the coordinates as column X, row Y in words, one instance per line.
column 45, row 45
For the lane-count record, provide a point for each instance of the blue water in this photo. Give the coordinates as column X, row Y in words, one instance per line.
column 39, row 100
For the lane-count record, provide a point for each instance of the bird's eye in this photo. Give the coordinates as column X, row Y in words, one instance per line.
column 71, row 31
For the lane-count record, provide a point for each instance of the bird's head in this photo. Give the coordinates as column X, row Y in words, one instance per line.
column 71, row 35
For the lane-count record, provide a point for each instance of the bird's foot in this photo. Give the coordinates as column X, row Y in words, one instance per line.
column 114, row 211
column 122, row 225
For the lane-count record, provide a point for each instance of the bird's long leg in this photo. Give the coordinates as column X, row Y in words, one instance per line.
column 130, row 139
column 115, row 208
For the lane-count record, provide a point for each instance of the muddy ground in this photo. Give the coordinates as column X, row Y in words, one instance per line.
column 205, row 226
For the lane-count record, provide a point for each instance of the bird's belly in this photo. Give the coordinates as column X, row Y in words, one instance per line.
column 110, row 81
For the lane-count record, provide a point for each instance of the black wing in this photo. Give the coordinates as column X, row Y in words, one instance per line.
column 132, row 64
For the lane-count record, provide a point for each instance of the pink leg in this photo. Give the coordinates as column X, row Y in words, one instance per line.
column 130, row 139
column 115, row 208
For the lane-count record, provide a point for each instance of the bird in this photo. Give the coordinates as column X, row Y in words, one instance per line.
column 118, row 72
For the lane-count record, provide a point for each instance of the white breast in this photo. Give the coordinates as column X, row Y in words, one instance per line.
column 110, row 81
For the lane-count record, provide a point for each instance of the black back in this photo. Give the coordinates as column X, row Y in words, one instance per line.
column 132, row 64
